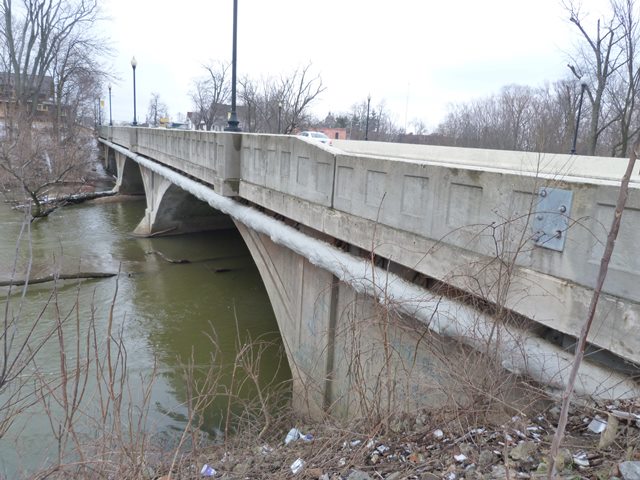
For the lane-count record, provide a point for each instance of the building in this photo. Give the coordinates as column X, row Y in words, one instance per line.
column 334, row 133
column 44, row 97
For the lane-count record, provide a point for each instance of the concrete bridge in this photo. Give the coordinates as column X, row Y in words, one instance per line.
column 390, row 266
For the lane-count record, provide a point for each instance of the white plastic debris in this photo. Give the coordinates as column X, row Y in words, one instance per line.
column 207, row 471
column 597, row 425
column 342, row 462
column 625, row 415
column 438, row 434
column 355, row 443
column 297, row 466
column 382, row 448
column 266, row 449
column 293, row 435
column 460, row 457
column 581, row 459
column 371, row 444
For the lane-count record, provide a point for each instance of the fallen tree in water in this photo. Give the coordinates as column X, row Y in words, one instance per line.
column 56, row 277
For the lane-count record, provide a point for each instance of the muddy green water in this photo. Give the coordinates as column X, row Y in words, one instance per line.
column 166, row 312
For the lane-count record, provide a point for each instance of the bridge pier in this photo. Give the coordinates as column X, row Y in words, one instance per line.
column 349, row 354
column 172, row 210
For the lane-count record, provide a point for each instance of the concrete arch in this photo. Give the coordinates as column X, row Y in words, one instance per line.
column 346, row 356
column 170, row 209
column 129, row 177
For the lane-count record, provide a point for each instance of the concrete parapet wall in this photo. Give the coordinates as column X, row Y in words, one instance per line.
column 289, row 164
column 465, row 223
column 209, row 156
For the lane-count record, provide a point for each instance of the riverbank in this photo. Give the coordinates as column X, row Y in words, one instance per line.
column 442, row 445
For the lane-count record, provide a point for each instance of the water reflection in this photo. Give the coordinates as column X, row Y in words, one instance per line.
column 167, row 312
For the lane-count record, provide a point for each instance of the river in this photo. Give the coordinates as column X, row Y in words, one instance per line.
column 165, row 312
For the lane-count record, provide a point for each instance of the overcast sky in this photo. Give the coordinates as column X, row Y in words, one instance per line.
column 417, row 56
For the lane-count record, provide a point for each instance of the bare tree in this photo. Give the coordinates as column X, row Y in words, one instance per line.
column 50, row 81
column 625, row 89
column 287, row 98
column 210, row 94
column 34, row 35
column 597, row 61
column 157, row 110
column 298, row 91
column 518, row 118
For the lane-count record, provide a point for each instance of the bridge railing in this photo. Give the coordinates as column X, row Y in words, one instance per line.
column 212, row 157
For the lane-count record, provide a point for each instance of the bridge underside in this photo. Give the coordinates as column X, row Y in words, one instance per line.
column 170, row 209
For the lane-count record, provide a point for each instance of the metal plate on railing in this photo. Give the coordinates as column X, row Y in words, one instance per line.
column 551, row 219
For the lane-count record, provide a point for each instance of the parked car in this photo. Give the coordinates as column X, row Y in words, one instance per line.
column 316, row 136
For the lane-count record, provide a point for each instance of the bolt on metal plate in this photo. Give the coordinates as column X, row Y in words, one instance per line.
column 551, row 218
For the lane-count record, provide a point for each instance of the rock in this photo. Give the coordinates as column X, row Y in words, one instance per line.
column 241, row 468
column 416, row 457
column 429, row 476
column 554, row 412
column 314, row 472
column 564, row 459
column 358, row 475
column 486, row 458
column 523, row 451
column 499, row 472
column 394, row 476
column 466, row 449
column 630, row 470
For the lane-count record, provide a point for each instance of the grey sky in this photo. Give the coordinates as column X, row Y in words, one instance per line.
column 415, row 55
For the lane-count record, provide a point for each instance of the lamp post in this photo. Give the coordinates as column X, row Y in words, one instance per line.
column 583, row 87
column 232, row 122
column 134, row 64
column 366, row 129
column 279, row 117
column 110, row 118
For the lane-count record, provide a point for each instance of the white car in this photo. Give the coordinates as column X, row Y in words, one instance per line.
column 316, row 136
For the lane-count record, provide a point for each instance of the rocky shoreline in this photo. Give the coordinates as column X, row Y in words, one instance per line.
column 602, row 442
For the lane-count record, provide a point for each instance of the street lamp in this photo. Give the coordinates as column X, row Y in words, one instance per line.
column 583, row 87
column 232, row 122
column 110, row 118
column 134, row 64
column 366, row 130
column 279, row 117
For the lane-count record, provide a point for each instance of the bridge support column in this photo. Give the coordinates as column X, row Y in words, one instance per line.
column 110, row 160
column 129, row 179
column 348, row 354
